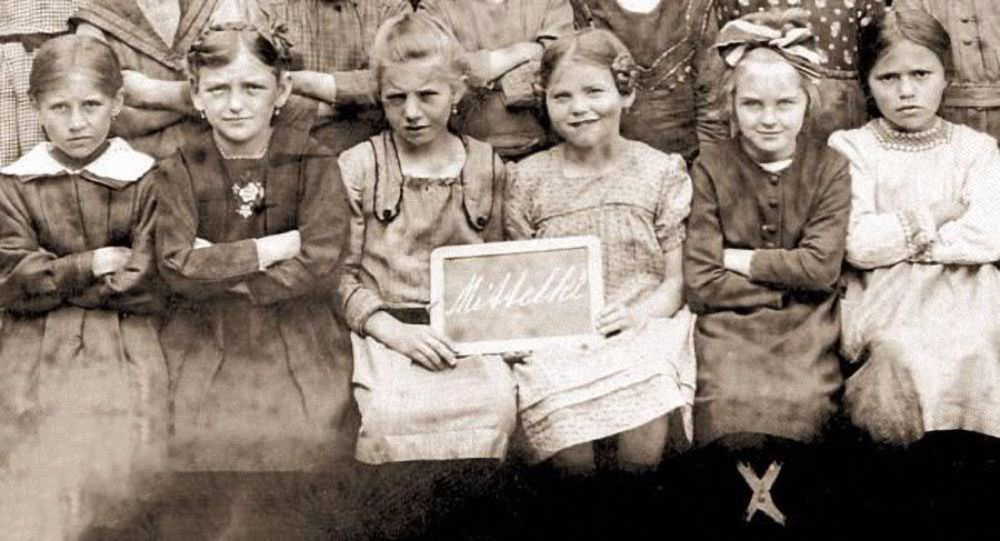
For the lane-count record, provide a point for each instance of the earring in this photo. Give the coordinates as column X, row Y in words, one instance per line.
column 277, row 111
column 201, row 113
column 454, row 109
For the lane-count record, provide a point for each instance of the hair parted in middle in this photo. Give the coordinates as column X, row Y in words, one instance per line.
column 595, row 46
column 416, row 36
column 219, row 45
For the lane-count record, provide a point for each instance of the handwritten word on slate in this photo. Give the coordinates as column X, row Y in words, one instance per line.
column 519, row 295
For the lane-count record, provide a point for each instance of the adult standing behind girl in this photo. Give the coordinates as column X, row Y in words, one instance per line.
column 762, row 266
column 675, row 104
column 504, row 40
column 921, row 310
column 83, row 381
column 635, row 199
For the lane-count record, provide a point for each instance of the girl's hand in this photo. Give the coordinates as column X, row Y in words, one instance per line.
column 420, row 343
column 201, row 243
column 618, row 317
column 110, row 259
column 948, row 210
column 274, row 248
column 737, row 260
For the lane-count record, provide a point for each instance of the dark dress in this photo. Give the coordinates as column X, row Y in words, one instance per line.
column 766, row 345
column 83, row 381
column 260, row 379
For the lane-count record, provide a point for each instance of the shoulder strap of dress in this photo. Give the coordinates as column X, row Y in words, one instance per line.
column 478, row 179
column 387, row 188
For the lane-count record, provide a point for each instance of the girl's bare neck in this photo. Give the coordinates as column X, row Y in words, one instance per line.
column 442, row 158
column 597, row 160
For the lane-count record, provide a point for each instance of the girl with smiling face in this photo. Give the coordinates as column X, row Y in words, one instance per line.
column 762, row 265
column 635, row 199
column 83, row 381
column 923, row 239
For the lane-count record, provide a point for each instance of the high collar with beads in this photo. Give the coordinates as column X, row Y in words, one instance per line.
column 893, row 139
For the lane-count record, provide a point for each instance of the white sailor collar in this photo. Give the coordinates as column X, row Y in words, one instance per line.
column 118, row 164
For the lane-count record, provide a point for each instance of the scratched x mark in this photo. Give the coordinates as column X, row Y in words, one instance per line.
column 761, row 499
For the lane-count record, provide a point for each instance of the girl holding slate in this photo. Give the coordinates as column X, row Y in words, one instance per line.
column 635, row 199
column 413, row 188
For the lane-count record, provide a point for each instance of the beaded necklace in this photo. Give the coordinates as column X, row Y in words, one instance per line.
column 893, row 139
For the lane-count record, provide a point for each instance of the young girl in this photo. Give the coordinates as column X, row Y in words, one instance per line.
column 836, row 24
column 83, row 381
column 762, row 263
column 676, row 93
column 504, row 40
column 973, row 94
column 635, row 199
column 413, row 188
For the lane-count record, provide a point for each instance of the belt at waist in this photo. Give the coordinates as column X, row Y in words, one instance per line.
column 969, row 95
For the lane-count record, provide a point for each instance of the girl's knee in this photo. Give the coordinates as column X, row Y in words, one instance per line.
column 576, row 459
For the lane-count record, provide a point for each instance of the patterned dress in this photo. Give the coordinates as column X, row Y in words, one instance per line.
column 409, row 412
column 24, row 26
column 260, row 373
column 836, row 24
column 913, row 281
column 766, row 344
column 679, row 71
column 83, row 381
column 569, row 396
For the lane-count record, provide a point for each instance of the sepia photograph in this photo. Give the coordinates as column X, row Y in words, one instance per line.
column 491, row 270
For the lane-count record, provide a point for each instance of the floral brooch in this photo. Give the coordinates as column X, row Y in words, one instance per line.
column 249, row 196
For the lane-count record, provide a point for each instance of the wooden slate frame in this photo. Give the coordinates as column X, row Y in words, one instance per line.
column 594, row 277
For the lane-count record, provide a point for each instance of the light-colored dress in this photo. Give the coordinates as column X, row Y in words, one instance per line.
column 573, row 395
column 923, row 303
column 83, row 381
column 409, row 412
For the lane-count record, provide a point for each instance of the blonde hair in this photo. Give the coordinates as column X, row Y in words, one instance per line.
column 766, row 55
column 415, row 36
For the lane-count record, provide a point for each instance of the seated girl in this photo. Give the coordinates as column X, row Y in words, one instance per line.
column 762, row 266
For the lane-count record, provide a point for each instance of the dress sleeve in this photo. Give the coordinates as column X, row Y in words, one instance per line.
column 814, row 264
column 709, row 286
column 322, row 226
column 975, row 237
column 557, row 21
column 357, row 301
column 196, row 273
column 135, row 288
column 674, row 206
column 518, row 224
column 711, row 123
column 33, row 279
column 879, row 239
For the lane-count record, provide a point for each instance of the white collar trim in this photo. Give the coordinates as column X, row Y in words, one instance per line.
column 118, row 162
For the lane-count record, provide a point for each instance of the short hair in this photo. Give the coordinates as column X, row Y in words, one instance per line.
column 219, row 45
column 595, row 46
column 899, row 25
column 765, row 54
column 415, row 36
column 74, row 53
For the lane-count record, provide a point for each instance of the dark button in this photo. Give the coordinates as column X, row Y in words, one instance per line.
column 481, row 221
column 969, row 41
column 968, row 19
column 773, row 203
column 773, row 179
column 769, row 229
column 386, row 214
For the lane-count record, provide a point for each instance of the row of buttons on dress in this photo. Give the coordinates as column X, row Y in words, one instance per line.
column 769, row 230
